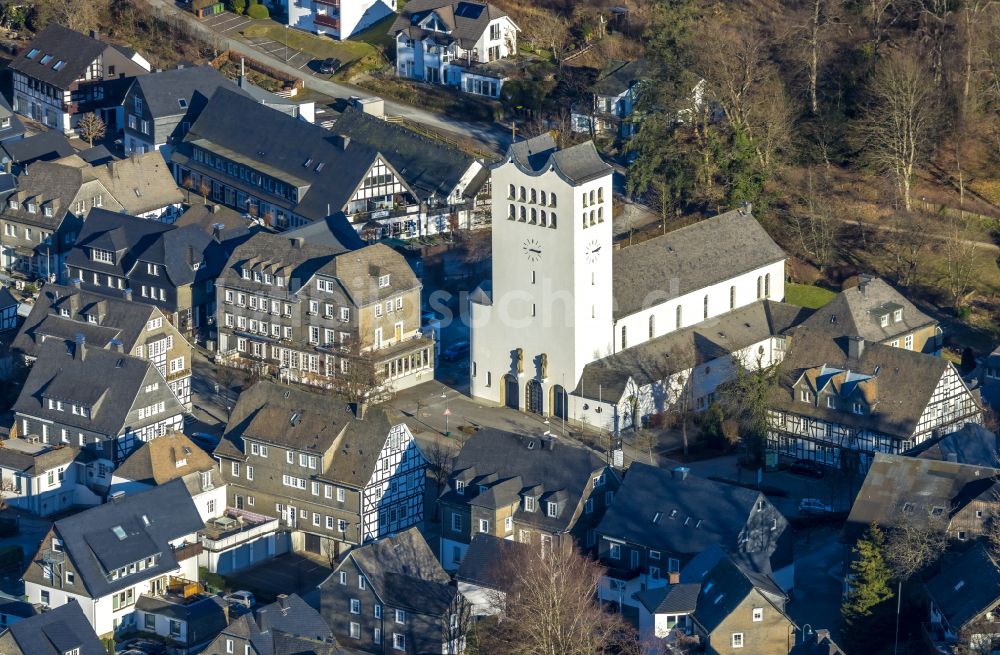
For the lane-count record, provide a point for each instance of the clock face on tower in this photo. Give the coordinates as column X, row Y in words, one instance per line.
column 592, row 251
column 532, row 249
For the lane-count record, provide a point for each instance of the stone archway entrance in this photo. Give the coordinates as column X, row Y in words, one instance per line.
column 510, row 391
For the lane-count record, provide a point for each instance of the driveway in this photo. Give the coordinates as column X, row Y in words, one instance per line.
column 223, row 30
column 291, row 573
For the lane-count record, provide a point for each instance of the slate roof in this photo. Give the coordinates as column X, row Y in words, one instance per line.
column 274, row 642
column 107, row 381
column 205, row 616
column 334, row 233
column 690, row 258
column 96, row 155
column 819, row 643
column 511, row 464
column 466, row 20
column 174, row 249
column 429, row 167
column 163, row 90
column 156, row 461
column 16, row 127
column 966, row 586
column 726, row 586
column 310, row 422
column 903, row 382
column 141, row 183
column 77, row 50
column 47, row 182
column 577, row 164
column 55, row 632
column 673, row 599
column 482, row 563
column 403, row 572
column 7, row 299
column 235, row 228
column 973, row 444
column 707, row 513
column 293, row 616
column 117, row 319
column 44, row 146
column 711, row 339
column 619, row 76
column 356, row 270
column 280, row 145
column 897, row 486
column 150, row 520
column 857, row 312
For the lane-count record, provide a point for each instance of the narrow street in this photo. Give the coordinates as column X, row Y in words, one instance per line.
column 492, row 136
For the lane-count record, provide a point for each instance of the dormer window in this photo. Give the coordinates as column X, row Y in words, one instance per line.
column 152, row 269
column 529, row 503
column 103, row 256
column 460, row 487
column 383, row 281
column 48, row 211
column 830, row 402
column 897, row 316
column 13, row 204
column 91, row 318
column 859, row 408
column 245, row 273
column 483, row 488
column 32, row 208
column 805, row 396
column 884, row 320
column 552, row 510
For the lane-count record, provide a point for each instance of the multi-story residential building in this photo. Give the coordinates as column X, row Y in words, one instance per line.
column 738, row 611
column 840, row 400
column 339, row 19
column 56, row 632
column 104, row 401
column 611, row 100
column 989, row 379
column 104, row 558
column 161, row 107
column 661, row 519
column 142, row 184
column 11, row 127
column 288, row 625
column 964, row 603
column 62, row 74
column 44, row 146
column 876, row 312
column 451, row 186
column 112, row 322
column 562, row 296
column 537, row 490
column 44, row 479
column 392, row 596
column 42, row 216
column 335, row 479
column 185, row 620
column 289, row 172
column 454, row 43
column 310, row 313
column 959, row 499
column 173, row 268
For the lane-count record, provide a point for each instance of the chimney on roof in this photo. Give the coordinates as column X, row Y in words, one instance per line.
column 94, row 34
column 680, row 472
column 952, row 457
column 80, row 352
column 297, row 242
column 214, row 209
column 217, row 230
column 127, row 294
column 855, row 347
column 116, row 345
column 745, row 208
column 75, row 282
column 863, row 280
column 116, row 496
column 673, row 578
column 342, row 141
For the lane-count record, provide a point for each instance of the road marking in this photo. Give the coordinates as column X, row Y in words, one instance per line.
column 304, row 64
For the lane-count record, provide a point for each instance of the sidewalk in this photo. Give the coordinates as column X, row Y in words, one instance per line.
column 491, row 136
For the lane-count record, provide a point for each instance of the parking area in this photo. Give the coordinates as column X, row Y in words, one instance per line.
column 280, row 50
column 226, row 22
column 294, row 572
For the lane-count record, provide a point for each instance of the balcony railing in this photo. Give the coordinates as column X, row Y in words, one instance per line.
column 327, row 21
column 187, row 551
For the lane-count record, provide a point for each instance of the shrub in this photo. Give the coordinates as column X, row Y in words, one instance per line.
column 238, row 6
column 258, row 12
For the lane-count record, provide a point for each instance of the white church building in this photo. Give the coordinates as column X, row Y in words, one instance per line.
column 564, row 296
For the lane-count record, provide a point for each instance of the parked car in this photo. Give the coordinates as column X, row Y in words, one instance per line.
column 329, row 66
column 141, row 646
column 807, row 468
column 244, row 598
column 814, row 506
column 455, row 351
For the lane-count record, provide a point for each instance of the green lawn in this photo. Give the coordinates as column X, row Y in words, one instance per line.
column 378, row 35
column 315, row 45
column 806, row 295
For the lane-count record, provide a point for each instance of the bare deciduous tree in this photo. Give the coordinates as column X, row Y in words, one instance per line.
column 960, row 260
column 549, row 607
column 91, row 127
column 898, row 129
column 914, row 543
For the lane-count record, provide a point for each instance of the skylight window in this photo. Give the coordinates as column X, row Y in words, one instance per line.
column 961, row 583
column 58, row 65
column 656, row 517
column 119, row 532
column 33, row 53
column 45, row 59
column 182, row 102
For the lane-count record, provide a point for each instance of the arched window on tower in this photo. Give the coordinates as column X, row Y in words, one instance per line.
column 592, row 196
column 624, row 339
column 679, row 320
column 732, row 297
column 523, row 213
column 585, row 199
column 534, row 196
column 521, row 197
column 541, row 217
column 705, row 304
column 511, row 192
column 541, row 196
column 600, row 194
column 534, row 216
column 552, row 200
column 652, row 326
column 760, row 287
column 767, row 285
column 600, row 214
column 592, row 214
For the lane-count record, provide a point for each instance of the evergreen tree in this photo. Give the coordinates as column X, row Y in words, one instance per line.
column 866, row 609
